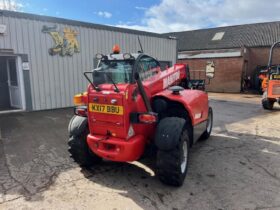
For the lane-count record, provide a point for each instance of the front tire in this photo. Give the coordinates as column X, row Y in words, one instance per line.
column 266, row 103
column 172, row 164
column 80, row 152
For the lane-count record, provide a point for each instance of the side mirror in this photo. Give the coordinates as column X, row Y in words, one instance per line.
column 210, row 69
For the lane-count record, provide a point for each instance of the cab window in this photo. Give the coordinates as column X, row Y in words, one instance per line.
column 113, row 71
column 147, row 67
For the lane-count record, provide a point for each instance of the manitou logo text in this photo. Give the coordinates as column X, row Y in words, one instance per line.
column 171, row 79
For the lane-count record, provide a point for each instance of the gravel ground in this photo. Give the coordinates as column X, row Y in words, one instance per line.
column 237, row 168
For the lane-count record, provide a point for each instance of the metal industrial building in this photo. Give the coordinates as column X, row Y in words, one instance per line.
column 42, row 59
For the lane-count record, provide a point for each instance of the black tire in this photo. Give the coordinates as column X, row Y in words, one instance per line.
column 267, row 104
column 80, row 152
column 206, row 134
column 172, row 165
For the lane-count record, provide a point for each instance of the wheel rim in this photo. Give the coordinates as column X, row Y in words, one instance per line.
column 184, row 157
column 209, row 123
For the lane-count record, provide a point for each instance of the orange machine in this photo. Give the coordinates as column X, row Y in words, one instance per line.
column 271, row 83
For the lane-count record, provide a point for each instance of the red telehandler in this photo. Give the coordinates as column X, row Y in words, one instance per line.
column 131, row 104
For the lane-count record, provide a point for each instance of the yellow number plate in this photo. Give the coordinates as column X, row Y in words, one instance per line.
column 275, row 76
column 106, row 109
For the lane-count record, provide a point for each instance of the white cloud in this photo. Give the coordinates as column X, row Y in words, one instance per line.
column 180, row 15
column 10, row 5
column 104, row 14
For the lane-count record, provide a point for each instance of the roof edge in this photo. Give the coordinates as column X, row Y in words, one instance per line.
column 225, row 48
column 220, row 27
column 218, row 48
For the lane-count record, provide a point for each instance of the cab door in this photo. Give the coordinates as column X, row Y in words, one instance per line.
column 13, row 83
column 149, row 70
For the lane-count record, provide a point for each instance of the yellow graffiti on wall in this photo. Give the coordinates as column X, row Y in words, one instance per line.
column 63, row 45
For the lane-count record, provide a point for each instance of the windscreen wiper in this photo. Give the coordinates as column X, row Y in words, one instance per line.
column 116, row 88
column 88, row 79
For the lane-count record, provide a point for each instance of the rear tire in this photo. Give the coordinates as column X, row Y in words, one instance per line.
column 80, row 152
column 209, row 125
column 266, row 103
column 172, row 164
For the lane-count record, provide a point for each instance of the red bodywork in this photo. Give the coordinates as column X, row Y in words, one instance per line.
column 109, row 135
column 195, row 102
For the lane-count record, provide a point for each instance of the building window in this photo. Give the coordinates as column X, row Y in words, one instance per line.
column 218, row 36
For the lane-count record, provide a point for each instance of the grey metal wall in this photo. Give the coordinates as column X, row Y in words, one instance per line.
column 55, row 79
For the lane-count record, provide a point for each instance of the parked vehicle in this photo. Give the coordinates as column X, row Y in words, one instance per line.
column 131, row 104
column 271, row 82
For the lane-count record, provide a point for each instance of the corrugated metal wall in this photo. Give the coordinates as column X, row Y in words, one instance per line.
column 55, row 79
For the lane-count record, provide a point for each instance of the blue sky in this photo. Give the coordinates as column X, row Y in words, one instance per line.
column 111, row 12
column 156, row 15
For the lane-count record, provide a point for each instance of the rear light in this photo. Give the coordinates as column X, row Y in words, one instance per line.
column 80, row 111
column 78, row 99
column 147, row 118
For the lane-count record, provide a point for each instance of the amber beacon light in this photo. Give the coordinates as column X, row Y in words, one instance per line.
column 116, row 49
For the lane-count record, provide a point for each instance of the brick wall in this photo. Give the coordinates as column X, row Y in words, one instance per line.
column 228, row 73
column 259, row 56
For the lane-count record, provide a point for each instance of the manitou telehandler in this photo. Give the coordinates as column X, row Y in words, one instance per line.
column 131, row 104
column 271, row 82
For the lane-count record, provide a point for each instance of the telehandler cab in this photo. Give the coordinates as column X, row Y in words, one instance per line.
column 271, row 82
column 131, row 104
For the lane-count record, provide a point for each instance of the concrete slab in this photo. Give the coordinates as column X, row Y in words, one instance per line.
column 237, row 168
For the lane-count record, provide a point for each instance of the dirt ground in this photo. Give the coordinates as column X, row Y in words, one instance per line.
column 237, row 168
